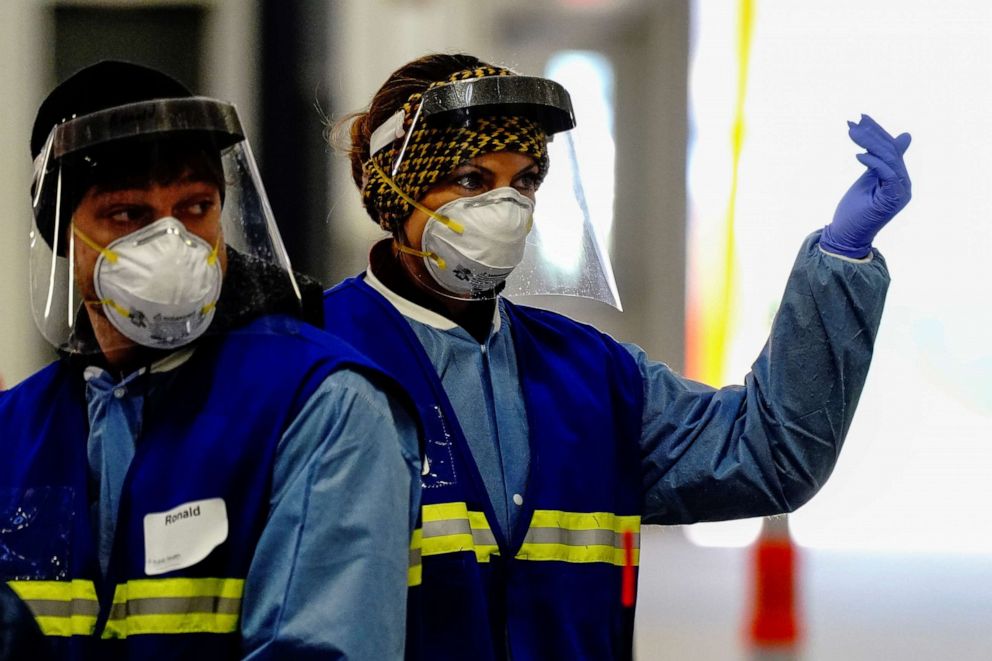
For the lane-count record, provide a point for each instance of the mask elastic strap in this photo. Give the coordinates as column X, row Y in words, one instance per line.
column 420, row 253
column 114, row 305
column 452, row 225
column 112, row 258
column 106, row 252
column 211, row 260
column 212, row 257
column 124, row 312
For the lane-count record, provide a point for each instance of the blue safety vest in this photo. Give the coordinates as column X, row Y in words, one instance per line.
column 552, row 590
column 206, row 449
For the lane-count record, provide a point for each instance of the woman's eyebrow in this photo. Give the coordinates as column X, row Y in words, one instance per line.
column 532, row 166
column 473, row 166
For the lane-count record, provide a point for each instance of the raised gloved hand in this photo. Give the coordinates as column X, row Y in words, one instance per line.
column 878, row 194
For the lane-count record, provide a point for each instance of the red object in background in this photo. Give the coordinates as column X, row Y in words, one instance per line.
column 629, row 580
column 774, row 619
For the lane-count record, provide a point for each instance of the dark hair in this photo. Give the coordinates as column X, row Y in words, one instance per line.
column 139, row 163
column 413, row 77
column 132, row 163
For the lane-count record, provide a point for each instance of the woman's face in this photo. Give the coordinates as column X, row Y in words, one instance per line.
column 474, row 177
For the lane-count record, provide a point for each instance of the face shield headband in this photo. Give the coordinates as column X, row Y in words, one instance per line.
column 147, row 118
column 477, row 111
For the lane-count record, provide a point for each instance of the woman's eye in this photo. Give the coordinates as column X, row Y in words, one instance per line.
column 528, row 182
column 469, row 181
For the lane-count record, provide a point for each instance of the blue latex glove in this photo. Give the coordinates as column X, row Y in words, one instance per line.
column 876, row 197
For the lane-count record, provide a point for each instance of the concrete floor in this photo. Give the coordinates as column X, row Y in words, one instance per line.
column 853, row 607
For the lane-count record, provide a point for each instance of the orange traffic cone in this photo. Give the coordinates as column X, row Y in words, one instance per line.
column 774, row 629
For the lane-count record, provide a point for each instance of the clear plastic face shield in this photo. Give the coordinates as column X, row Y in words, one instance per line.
column 143, row 214
column 538, row 238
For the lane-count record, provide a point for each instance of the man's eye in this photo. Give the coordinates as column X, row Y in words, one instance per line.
column 128, row 214
column 198, row 208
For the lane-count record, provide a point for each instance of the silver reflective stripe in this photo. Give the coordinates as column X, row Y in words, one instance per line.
column 414, row 557
column 59, row 608
column 447, row 527
column 483, row 537
column 578, row 537
column 174, row 606
column 480, row 536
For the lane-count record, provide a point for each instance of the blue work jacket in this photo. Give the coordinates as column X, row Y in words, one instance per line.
column 702, row 453
column 193, row 504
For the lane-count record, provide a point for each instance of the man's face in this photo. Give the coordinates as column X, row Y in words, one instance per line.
column 105, row 215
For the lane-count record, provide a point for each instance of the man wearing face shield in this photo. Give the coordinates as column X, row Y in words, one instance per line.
column 182, row 482
column 548, row 443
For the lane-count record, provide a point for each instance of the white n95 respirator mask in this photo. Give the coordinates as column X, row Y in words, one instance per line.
column 470, row 245
column 158, row 285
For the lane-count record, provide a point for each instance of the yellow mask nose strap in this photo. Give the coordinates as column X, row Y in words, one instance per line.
column 106, row 252
column 453, row 225
column 420, row 253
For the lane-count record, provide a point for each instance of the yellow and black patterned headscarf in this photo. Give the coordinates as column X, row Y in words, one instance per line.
column 434, row 152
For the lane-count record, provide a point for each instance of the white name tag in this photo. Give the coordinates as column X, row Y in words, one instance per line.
column 184, row 535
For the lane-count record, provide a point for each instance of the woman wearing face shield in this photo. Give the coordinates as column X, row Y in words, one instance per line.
column 547, row 443
column 181, row 483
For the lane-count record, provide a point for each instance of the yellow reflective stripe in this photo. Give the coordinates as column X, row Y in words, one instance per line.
column 416, row 571
column 74, row 625
column 443, row 511
column 61, row 608
column 136, row 625
column 150, row 588
column 580, row 537
column 175, row 605
column 415, row 576
column 585, row 521
column 451, row 528
column 54, row 590
column 576, row 554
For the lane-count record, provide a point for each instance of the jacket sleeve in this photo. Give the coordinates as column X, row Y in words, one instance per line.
column 768, row 446
column 329, row 576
